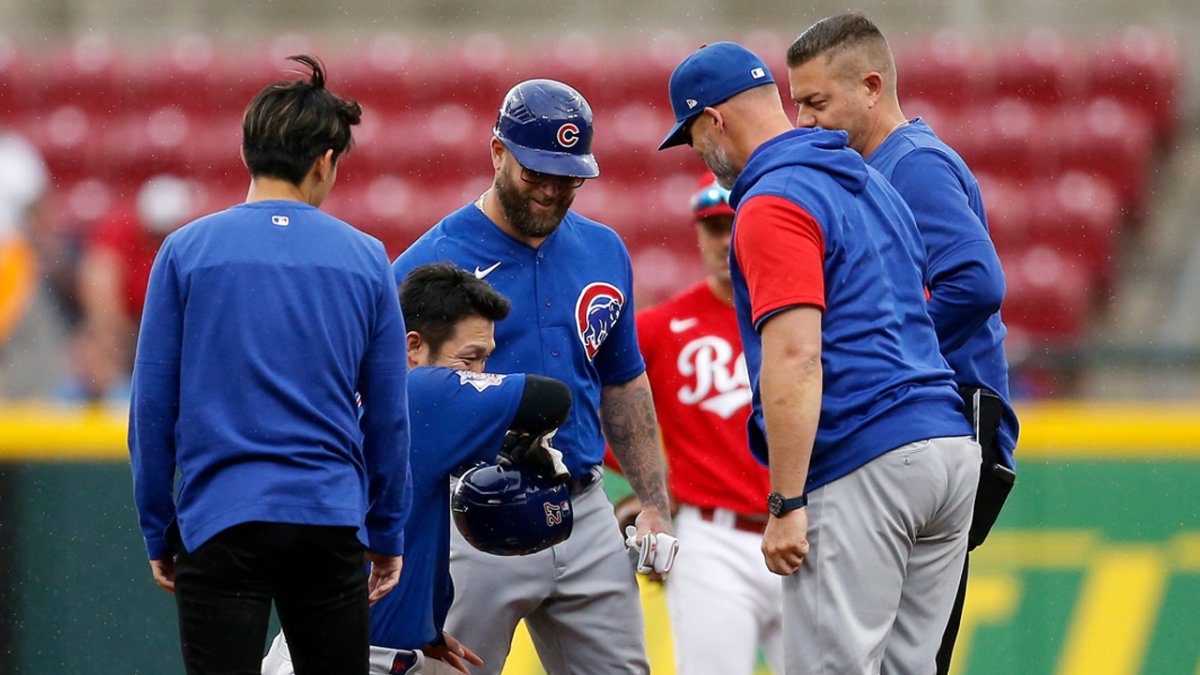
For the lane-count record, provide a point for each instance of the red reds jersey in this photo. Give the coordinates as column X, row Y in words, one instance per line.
column 702, row 396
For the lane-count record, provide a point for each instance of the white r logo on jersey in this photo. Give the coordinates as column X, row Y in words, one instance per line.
column 710, row 360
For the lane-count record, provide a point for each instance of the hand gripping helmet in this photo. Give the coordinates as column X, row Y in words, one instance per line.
column 510, row 510
column 547, row 126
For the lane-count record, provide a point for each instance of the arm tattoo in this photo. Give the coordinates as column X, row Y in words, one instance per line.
column 631, row 427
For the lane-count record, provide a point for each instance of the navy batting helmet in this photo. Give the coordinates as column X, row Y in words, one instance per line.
column 547, row 126
column 510, row 510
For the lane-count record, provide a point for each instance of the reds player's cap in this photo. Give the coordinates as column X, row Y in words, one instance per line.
column 711, row 199
column 712, row 74
column 547, row 126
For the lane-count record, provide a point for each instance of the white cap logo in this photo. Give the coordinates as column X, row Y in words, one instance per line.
column 758, row 73
column 281, row 221
column 692, row 103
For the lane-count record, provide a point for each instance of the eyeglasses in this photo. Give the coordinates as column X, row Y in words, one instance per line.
column 538, row 178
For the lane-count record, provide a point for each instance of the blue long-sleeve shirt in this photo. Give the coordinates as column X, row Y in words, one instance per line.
column 964, row 277
column 261, row 324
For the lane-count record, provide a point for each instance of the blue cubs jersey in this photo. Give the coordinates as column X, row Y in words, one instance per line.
column 458, row 419
column 572, row 310
column 965, row 281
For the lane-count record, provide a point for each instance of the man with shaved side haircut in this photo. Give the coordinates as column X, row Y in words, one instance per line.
column 842, row 76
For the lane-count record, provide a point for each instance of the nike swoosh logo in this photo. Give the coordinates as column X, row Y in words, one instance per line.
column 479, row 274
column 680, row 325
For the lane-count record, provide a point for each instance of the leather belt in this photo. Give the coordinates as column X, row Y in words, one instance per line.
column 746, row 523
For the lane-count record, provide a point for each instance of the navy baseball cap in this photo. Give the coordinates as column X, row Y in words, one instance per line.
column 712, row 74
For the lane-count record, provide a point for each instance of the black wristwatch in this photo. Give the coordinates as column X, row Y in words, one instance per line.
column 779, row 506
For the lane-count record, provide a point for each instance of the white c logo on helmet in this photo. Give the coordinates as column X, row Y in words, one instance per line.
column 568, row 135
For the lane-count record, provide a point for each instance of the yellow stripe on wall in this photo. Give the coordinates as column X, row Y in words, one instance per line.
column 1131, row 430
column 32, row 432
column 1049, row 431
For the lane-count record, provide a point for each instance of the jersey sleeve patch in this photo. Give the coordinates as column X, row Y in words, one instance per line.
column 597, row 310
column 480, row 381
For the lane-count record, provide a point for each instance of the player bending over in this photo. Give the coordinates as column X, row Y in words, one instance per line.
column 460, row 416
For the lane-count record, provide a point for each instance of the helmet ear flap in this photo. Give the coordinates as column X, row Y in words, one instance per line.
column 511, row 510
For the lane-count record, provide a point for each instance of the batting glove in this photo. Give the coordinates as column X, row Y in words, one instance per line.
column 652, row 552
column 535, row 451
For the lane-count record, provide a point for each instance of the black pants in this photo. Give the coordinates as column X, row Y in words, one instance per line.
column 315, row 575
column 984, row 410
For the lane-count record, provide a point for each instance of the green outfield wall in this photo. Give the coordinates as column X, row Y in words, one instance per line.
column 1094, row 567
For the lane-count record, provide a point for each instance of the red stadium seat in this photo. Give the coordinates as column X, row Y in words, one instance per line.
column 140, row 144
column 653, row 213
column 1055, row 171
column 68, row 137
column 217, row 159
column 1001, row 139
column 659, row 273
column 1043, row 68
column 82, row 202
column 238, row 75
column 939, row 118
column 187, row 75
column 1109, row 140
column 950, row 69
column 1078, row 216
column 1075, row 215
column 398, row 210
column 645, row 69
column 220, row 195
column 474, row 72
column 1047, row 298
column 1141, row 68
column 87, row 73
column 444, row 143
column 1009, row 212
column 18, row 88
column 575, row 58
column 381, row 75
column 626, row 143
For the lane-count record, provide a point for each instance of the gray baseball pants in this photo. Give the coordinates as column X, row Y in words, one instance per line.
column 579, row 599
column 887, row 544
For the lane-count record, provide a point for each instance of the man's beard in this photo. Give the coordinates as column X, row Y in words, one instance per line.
column 722, row 167
column 520, row 215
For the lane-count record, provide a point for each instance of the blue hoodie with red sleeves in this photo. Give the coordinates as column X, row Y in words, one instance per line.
column 816, row 226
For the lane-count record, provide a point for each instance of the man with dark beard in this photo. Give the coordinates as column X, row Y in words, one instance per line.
column 570, row 281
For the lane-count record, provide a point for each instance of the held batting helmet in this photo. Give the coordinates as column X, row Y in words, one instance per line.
column 510, row 510
column 547, row 126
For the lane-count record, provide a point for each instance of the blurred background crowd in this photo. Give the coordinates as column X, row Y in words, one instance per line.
column 120, row 121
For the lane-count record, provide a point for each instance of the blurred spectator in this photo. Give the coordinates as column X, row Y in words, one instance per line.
column 112, row 287
column 23, row 180
column 27, row 323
